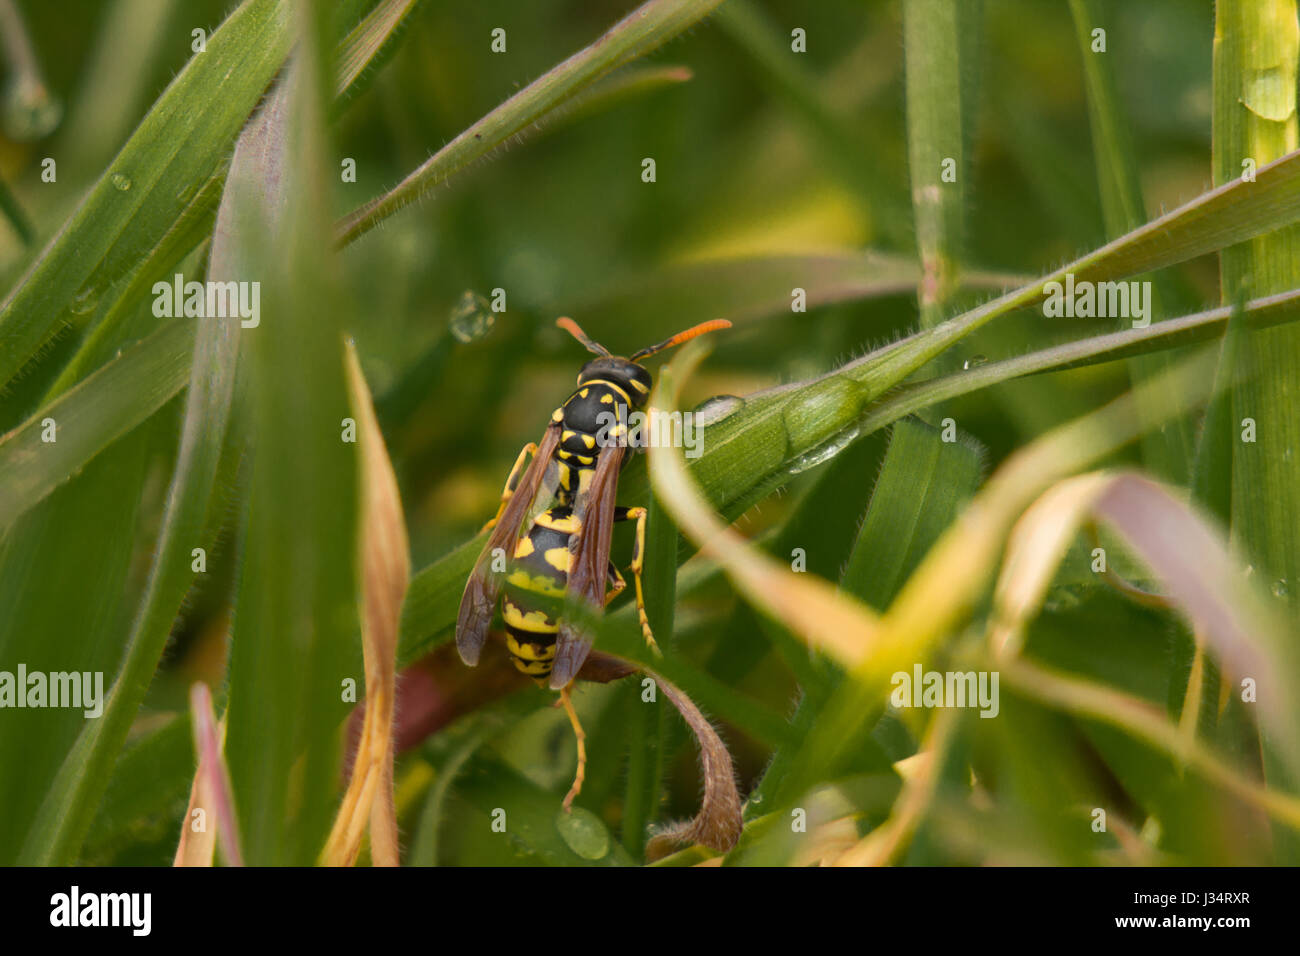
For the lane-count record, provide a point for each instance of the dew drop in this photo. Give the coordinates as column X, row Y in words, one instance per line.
column 975, row 361
column 84, row 302
column 584, row 833
column 1280, row 588
column 471, row 319
column 717, row 408
column 30, row 111
column 823, row 452
column 120, row 181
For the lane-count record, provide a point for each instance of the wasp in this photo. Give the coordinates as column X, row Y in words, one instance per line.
column 550, row 540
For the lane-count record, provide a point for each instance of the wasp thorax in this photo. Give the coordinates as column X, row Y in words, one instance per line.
column 627, row 375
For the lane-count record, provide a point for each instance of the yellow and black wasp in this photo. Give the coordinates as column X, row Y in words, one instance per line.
column 534, row 558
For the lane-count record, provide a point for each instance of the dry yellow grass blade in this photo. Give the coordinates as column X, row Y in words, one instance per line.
column 883, row 844
column 1035, row 549
column 211, row 812
column 385, row 570
column 1197, row 571
column 1146, row 722
column 934, row 600
column 198, row 843
column 1185, row 552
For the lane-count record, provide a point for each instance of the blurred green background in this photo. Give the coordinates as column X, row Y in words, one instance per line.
column 770, row 168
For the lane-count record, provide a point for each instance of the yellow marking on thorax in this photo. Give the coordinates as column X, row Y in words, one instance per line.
column 614, row 385
column 564, row 525
column 524, row 548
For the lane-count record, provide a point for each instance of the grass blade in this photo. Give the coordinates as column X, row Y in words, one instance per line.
column 1256, row 51
column 1167, row 450
column 146, row 189
column 645, row 28
column 294, row 640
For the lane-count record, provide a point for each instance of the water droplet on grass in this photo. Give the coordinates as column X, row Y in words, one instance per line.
column 584, row 833
column 471, row 319
column 30, row 111
column 717, row 408
column 84, row 302
column 823, row 452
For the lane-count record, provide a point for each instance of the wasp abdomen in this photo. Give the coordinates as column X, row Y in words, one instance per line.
column 534, row 589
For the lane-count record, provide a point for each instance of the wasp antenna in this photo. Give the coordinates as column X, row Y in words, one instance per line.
column 573, row 329
column 680, row 337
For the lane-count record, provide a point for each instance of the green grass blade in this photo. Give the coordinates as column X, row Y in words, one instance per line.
column 1167, row 451
column 69, row 806
column 90, row 417
column 650, row 25
column 295, row 636
column 360, row 52
column 649, row 734
column 745, row 289
column 1228, row 214
column 368, row 46
column 149, row 785
column 936, row 142
column 1211, row 483
column 1256, row 50
column 145, row 190
column 923, row 485
column 83, row 536
column 18, row 219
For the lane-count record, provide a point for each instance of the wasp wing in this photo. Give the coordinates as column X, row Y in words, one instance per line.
column 589, row 562
column 478, row 603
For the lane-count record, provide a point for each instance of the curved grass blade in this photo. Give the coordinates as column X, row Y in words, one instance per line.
column 385, row 569
column 936, row 598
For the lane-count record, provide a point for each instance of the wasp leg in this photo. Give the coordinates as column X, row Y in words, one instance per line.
column 508, row 491
column 578, row 732
column 639, row 515
column 614, row 581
